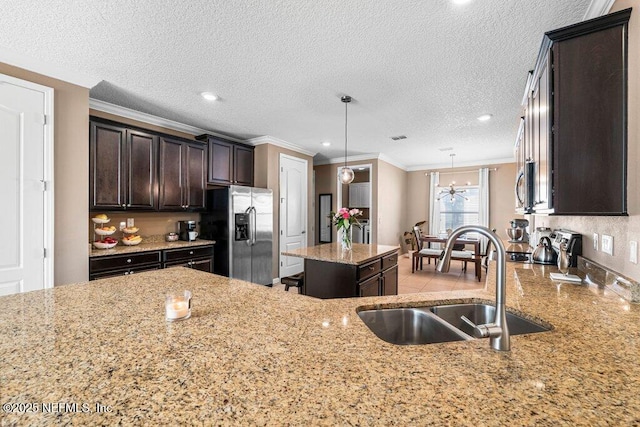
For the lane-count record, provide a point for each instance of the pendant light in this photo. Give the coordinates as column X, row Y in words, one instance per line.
column 346, row 174
column 451, row 191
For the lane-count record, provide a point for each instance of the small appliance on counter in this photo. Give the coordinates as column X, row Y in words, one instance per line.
column 573, row 242
column 538, row 234
column 187, row 230
column 518, row 231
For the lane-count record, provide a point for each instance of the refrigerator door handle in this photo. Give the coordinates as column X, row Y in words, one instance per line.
column 253, row 220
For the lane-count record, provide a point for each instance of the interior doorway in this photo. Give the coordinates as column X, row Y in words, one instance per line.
column 361, row 193
column 293, row 212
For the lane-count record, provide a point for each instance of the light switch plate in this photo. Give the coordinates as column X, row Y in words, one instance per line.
column 607, row 244
column 130, row 222
column 595, row 241
column 633, row 252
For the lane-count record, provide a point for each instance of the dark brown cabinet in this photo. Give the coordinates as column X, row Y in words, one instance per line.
column 230, row 163
column 325, row 279
column 576, row 118
column 182, row 175
column 200, row 258
column 123, row 168
column 123, row 265
column 196, row 257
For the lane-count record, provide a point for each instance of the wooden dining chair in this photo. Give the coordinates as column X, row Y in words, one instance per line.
column 422, row 252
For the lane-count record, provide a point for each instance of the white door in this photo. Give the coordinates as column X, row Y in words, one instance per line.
column 25, row 143
column 293, row 212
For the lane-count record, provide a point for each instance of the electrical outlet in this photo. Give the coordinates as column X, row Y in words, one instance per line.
column 633, row 252
column 607, row 244
column 130, row 222
column 595, row 241
column 123, row 225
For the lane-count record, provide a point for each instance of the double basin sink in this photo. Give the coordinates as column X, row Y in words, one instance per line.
column 442, row 323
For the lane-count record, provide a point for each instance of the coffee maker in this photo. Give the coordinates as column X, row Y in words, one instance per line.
column 518, row 231
column 187, row 230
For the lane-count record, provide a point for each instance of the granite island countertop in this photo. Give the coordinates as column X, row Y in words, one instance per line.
column 148, row 244
column 359, row 254
column 251, row 355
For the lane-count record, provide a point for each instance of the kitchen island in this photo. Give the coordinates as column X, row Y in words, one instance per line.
column 252, row 355
column 363, row 271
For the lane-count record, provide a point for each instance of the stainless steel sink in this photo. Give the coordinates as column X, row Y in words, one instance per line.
column 405, row 326
column 430, row 325
column 481, row 314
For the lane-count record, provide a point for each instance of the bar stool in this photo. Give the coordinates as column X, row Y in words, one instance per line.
column 297, row 280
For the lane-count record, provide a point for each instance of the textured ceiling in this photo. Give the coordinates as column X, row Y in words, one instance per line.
column 424, row 69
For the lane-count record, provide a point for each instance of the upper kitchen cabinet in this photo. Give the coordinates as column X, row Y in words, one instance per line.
column 359, row 195
column 575, row 134
column 182, row 175
column 230, row 163
column 123, row 168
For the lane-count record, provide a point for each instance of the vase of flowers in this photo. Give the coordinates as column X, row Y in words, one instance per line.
column 344, row 220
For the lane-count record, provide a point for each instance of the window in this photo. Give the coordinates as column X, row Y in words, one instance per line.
column 459, row 212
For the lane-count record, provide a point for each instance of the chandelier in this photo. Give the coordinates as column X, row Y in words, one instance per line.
column 452, row 192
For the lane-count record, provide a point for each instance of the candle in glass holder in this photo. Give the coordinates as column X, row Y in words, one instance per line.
column 178, row 307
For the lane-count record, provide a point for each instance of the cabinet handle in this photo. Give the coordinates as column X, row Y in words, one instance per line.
column 126, row 273
column 129, row 260
column 131, row 272
column 371, row 267
column 128, row 205
column 124, row 205
column 190, row 252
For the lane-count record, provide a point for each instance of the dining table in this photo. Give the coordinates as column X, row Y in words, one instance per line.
column 477, row 256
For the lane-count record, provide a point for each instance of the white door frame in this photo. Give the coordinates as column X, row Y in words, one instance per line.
column 339, row 193
column 306, row 206
column 48, row 173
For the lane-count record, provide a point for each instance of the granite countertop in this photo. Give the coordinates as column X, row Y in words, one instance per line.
column 153, row 243
column 251, row 355
column 332, row 252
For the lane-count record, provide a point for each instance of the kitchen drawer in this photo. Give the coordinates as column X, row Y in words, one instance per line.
column 389, row 261
column 123, row 272
column 188, row 253
column 202, row 264
column 369, row 269
column 123, row 261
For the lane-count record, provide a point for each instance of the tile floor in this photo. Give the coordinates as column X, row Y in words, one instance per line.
column 427, row 279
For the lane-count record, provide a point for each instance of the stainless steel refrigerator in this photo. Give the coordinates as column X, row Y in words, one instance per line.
column 240, row 220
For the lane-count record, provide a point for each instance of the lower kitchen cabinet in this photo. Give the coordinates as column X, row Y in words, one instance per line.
column 375, row 277
column 123, row 265
column 196, row 257
column 200, row 258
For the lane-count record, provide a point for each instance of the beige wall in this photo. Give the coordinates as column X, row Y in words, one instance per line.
column 149, row 223
column 501, row 194
column 71, row 174
column 393, row 198
column 623, row 229
column 267, row 175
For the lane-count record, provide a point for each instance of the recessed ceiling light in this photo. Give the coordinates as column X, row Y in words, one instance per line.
column 460, row 1
column 485, row 117
column 326, row 143
column 209, row 96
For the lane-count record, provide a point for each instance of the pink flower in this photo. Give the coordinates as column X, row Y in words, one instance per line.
column 345, row 215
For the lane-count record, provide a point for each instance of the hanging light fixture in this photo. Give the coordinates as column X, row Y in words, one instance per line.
column 346, row 174
column 452, row 192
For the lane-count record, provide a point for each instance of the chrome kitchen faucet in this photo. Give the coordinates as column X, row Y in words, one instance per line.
column 498, row 332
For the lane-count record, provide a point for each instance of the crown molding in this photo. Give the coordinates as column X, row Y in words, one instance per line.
column 107, row 107
column 53, row 71
column 360, row 158
column 266, row 139
column 598, row 8
column 461, row 164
